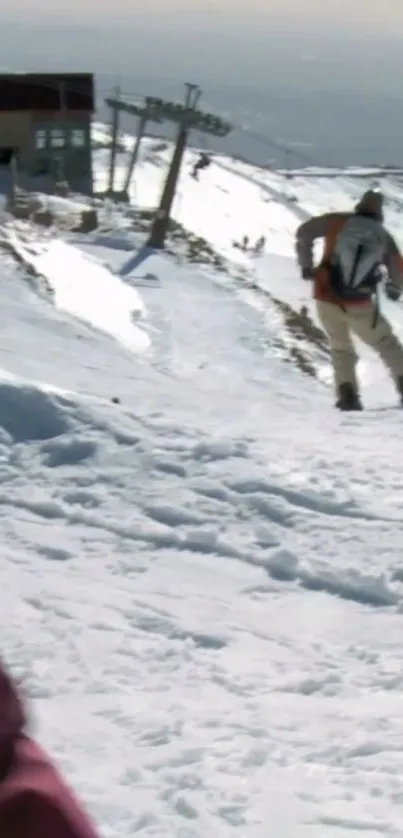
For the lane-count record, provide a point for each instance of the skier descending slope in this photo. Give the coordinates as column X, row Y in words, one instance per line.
column 357, row 250
column 34, row 800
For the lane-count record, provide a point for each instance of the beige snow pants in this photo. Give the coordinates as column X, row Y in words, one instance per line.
column 340, row 325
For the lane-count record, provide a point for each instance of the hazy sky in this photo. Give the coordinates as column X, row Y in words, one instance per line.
column 304, row 44
column 323, row 72
column 383, row 16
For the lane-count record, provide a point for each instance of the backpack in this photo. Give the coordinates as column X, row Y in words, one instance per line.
column 354, row 266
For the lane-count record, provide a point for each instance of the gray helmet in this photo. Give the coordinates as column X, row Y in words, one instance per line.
column 371, row 203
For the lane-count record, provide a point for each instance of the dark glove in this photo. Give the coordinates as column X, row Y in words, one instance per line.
column 392, row 291
column 308, row 273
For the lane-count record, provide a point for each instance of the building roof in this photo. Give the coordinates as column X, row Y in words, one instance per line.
column 47, row 91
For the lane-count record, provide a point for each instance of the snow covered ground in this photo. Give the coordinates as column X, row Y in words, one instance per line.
column 201, row 583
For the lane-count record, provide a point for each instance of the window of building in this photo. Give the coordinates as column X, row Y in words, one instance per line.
column 78, row 138
column 58, row 138
column 40, row 139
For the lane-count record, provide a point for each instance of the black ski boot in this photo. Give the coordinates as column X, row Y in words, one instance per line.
column 349, row 398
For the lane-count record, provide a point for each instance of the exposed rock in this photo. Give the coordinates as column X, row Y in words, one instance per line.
column 88, row 221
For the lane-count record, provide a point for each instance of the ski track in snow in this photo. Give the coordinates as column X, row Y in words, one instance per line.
column 203, row 582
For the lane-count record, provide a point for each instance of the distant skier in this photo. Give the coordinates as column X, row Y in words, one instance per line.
column 202, row 163
column 358, row 254
column 34, row 799
column 259, row 246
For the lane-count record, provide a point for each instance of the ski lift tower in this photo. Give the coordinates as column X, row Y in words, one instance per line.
column 144, row 114
column 188, row 117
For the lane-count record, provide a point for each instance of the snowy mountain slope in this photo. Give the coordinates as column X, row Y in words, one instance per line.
column 232, row 199
column 275, row 200
column 204, row 578
column 202, row 583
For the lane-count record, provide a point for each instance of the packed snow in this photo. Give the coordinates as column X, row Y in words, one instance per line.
column 84, row 287
column 202, row 565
